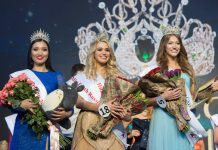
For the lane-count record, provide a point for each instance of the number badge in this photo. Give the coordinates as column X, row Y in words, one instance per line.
column 161, row 102
column 104, row 110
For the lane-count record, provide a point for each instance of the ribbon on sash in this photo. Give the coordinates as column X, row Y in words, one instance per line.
column 54, row 136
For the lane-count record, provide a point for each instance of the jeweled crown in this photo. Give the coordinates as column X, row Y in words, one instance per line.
column 40, row 34
column 170, row 30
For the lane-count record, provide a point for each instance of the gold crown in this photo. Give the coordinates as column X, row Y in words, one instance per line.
column 40, row 35
column 170, row 30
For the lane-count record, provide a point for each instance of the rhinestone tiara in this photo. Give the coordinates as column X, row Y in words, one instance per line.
column 170, row 30
column 40, row 34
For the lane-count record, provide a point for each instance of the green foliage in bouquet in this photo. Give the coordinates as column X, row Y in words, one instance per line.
column 21, row 88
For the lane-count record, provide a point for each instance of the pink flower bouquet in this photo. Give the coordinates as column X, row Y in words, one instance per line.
column 20, row 88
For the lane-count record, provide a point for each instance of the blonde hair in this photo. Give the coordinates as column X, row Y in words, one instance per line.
column 111, row 66
column 182, row 59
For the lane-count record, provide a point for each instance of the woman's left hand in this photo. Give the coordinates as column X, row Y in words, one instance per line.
column 215, row 86
column 60, row 114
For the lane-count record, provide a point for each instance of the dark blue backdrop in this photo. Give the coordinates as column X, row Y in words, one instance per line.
column 62, row 18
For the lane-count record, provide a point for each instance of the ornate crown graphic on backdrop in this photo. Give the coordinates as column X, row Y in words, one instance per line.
column 133, row 26
column 40, row 34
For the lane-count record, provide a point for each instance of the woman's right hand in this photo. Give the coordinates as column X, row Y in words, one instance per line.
column 171, row 94
column 27, row 104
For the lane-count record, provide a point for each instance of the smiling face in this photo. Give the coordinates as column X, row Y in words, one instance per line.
column 173, row 47
column 39, row 53
column 102, row 53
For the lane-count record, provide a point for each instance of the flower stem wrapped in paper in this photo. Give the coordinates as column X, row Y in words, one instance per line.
column 156, row 82
column 20, row 88
column 126, row 94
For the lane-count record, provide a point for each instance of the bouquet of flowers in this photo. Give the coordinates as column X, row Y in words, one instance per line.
column 156, row 82
column 126, row 94
column 20, row 88
column 173, row 74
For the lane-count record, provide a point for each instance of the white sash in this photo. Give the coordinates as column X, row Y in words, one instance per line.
column 195, row 126
column 92, row 93
column 10, row 120
column 93, row 88
column 86, row 94
column 35, row 79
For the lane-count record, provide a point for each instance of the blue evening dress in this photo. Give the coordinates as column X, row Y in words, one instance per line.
column 164, row 134
column 23, row 137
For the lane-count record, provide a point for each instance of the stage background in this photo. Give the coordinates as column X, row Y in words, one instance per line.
column 62, row 19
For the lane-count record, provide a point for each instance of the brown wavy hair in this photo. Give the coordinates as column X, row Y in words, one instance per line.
column 182, row 59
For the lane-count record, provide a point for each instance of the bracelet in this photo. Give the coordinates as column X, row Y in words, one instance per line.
column 161, row 102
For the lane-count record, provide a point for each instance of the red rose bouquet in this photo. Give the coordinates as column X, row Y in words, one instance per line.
column 156, row 82
column 126, row 94
column 20, row 88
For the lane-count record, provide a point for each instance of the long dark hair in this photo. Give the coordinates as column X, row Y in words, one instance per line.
column 30, row 62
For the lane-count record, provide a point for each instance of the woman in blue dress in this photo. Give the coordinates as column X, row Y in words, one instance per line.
column 46, row 79
column 164, row 134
